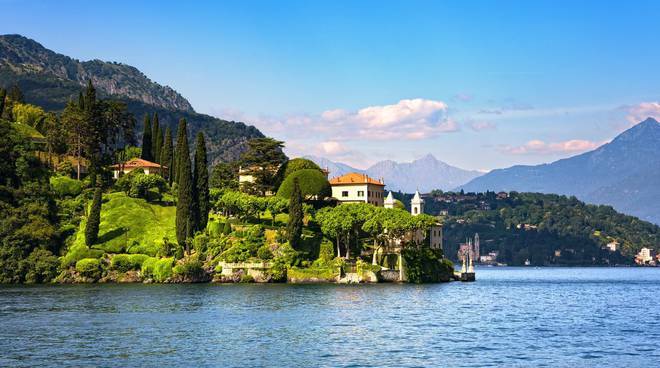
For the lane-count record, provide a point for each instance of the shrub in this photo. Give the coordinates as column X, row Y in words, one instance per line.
column 191, row 269
column 78, row 252
column 226, row 228
column 313, row 183
column 142, row 184
column 200, row 243
column 89, row 267
column 326, row 254
column 64, row 186
column 127, row 262
column 264, row 253
column 246, row 279
column 163, row 269
column 148, row 267
column 426, row 265
column 214, row 228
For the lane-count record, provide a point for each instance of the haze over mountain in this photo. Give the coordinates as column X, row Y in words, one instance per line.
column 424, row 174
column 624, row 173
column 49, row 79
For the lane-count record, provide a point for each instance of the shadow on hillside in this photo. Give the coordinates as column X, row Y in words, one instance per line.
column 112, row 234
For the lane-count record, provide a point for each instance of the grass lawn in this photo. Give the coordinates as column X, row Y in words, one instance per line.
column 130, row 225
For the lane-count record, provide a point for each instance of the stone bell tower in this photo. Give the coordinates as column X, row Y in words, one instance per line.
column 416, row 204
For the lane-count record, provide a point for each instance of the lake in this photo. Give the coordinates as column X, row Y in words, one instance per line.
column 580, row 317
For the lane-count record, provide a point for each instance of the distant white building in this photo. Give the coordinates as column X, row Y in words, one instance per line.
column 644, row 256
column 612, row 246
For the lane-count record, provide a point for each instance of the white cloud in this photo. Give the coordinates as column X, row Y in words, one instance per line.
column 640, row 112
column 538, row 147
column 410, row 119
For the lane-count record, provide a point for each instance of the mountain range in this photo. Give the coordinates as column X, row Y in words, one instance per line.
column 624, row 173
column 49, row 79
column 424, row 174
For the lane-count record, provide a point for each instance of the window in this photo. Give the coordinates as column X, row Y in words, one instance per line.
column 344, row 193
column 415, row 210
column 369, row 193
column 360, row 193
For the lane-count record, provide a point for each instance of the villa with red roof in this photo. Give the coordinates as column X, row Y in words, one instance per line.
column 137, row 163
column 355, row 188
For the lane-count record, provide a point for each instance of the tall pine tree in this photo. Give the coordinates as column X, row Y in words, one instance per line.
column 166, row 154
column 201, row 180
column 295, row 225
column 93, row 220
column 184, row 205
column 147, row 152
column 156, row 138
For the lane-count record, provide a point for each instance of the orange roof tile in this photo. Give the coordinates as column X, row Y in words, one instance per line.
column 138, row 162
column 355, row 178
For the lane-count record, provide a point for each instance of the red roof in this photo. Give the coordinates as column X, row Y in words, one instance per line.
column 355, row 178
column 138, row 163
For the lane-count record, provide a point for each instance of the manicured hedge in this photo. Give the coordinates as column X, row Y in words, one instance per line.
column 312, row 183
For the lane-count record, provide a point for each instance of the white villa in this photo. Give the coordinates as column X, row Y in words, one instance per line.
column 137, row 163
column 355, row 188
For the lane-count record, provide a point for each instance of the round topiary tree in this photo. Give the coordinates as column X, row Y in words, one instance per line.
column 292, row 166
column 312, row 182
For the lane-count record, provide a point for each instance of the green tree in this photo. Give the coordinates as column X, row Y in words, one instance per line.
column 224, row 176
column 184, row 204
column 147, row 140
column 94, row 219
column 156, row 138
column 262, row 160
column 313, row 184
column 291, row 166
column 166, row 156
column 201, row 183
column 295, row 225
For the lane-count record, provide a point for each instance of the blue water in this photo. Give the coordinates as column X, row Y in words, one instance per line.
column 578, row 317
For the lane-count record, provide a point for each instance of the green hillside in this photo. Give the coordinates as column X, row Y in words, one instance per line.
column 128, row 225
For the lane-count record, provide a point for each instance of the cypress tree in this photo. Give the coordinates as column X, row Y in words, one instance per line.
column 156, row 138
column 166, row 154
column 295, row 225
column 173, row 166
column 93, row 220
column 147, row 153
column 201, row 180
column 184, row 204
column 3, row 94
column 81, row 101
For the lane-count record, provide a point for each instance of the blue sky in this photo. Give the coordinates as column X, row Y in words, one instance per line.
column 479, row 84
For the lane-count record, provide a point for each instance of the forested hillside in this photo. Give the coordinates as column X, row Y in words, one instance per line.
column 534, row 226
column 49, row 80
